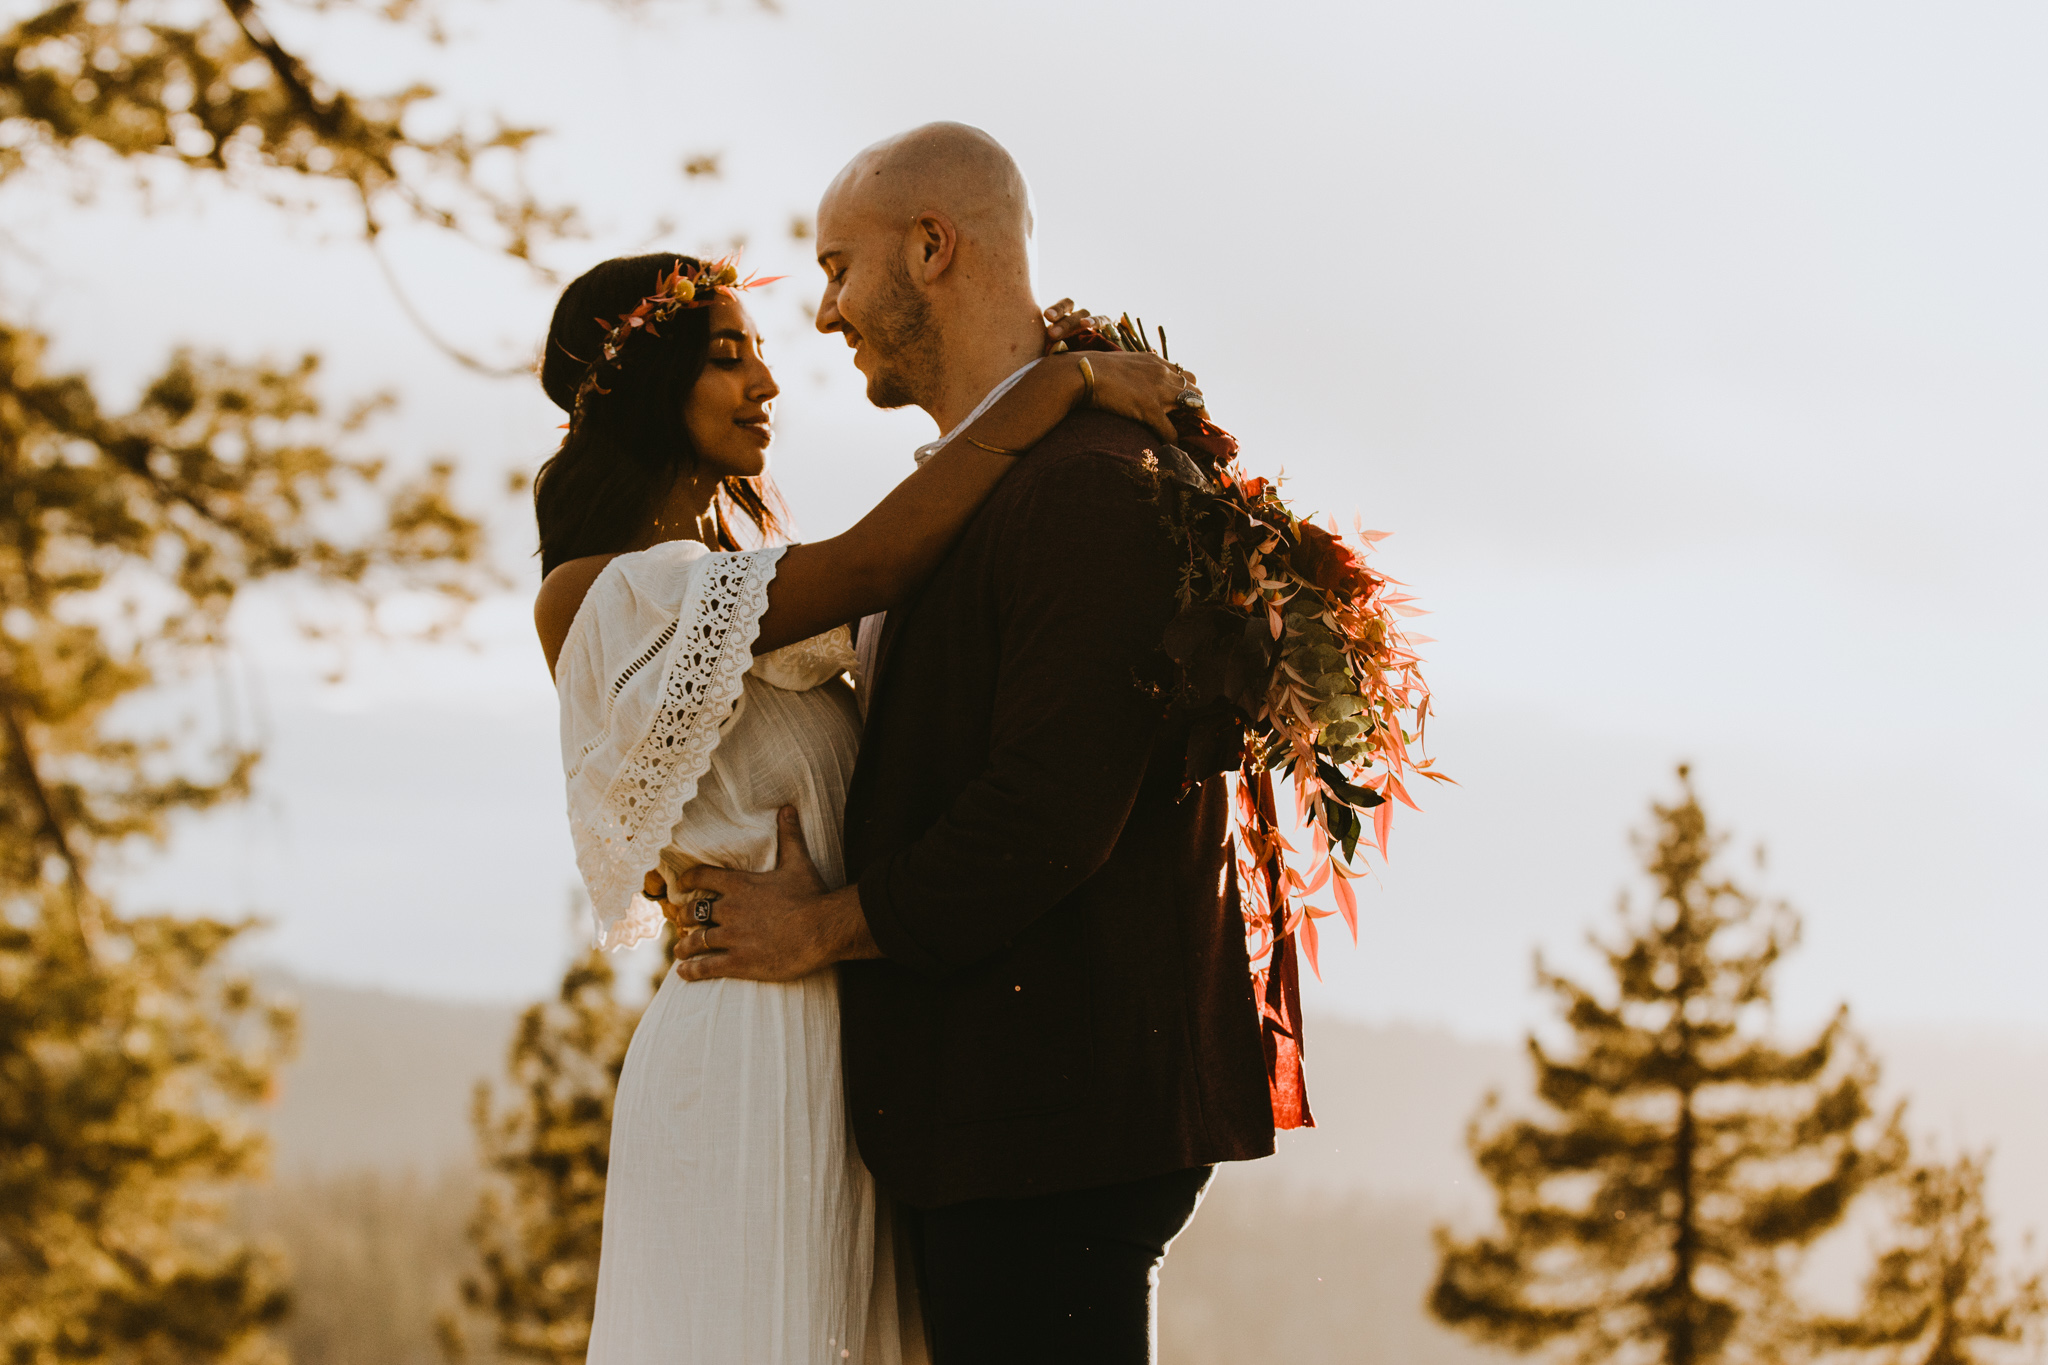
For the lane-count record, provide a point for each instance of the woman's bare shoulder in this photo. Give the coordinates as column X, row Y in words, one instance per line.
column 561, row 594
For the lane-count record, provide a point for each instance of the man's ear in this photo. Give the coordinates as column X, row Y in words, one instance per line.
column 933, row 240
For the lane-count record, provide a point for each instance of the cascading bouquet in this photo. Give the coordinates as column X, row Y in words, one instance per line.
column 1289, row 657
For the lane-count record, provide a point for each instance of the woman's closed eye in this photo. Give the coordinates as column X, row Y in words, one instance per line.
column 729, row 349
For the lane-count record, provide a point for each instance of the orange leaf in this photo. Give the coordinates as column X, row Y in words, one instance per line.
column 1346, row 902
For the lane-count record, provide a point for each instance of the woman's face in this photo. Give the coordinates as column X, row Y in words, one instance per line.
column 727, row 413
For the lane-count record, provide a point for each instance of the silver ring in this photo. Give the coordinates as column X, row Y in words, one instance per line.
column 1190, row 398
column 700, row 910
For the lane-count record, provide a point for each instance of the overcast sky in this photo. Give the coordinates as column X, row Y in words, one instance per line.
column 1694, row 354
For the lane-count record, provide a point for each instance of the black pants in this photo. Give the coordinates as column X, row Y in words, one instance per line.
column 1064, row 1279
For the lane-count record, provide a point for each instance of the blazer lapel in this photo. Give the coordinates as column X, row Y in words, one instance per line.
column 892, row 622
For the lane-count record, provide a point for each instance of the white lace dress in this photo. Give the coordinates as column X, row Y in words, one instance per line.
column 739, row 1223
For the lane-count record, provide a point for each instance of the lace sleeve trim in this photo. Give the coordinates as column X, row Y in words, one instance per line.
column 807, row 663
column 703, row 660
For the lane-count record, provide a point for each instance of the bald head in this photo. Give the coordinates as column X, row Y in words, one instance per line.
column 925, row 241
column 946, row 168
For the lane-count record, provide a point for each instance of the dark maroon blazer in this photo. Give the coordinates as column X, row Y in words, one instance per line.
column 1064, row 1000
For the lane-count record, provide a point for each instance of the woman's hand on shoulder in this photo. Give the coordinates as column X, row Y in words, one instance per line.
column 1133, row 384
column 1064, row 320
column 561, row 595
column 1142, row 387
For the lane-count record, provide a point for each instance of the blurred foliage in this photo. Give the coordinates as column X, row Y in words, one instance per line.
column 538, row 1223
column 124, row 1064
column 1936, row 1295
column 126, row 536
column 1655, row 1211
column 124, row 541
column 206, row 84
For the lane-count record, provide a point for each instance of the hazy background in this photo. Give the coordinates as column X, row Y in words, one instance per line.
column 1694, row 353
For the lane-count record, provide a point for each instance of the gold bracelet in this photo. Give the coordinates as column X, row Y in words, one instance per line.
column 993, row 450
column 1087, row 382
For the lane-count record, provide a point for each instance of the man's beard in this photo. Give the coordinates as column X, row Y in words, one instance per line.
column 903, row 337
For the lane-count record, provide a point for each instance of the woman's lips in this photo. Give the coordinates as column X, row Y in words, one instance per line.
column 756, row 426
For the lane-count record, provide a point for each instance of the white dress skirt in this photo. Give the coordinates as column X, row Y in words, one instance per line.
column 740, row 1226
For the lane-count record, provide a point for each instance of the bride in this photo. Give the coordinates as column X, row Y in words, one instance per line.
column 701, row 693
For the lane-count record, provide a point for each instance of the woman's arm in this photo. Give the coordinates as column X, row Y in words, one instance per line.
column 874, row 565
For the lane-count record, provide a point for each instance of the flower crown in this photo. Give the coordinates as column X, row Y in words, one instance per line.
column 708, row 282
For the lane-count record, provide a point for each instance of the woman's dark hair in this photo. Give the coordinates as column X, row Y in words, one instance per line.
column 625, row 452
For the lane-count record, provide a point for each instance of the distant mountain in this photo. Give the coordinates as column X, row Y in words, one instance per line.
column 384, row 1081
column 1392, row 1103
column 1321, row 1254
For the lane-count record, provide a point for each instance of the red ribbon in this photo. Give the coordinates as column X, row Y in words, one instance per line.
column 1276, row 989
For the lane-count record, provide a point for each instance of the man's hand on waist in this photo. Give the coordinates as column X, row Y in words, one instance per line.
column 764, row 926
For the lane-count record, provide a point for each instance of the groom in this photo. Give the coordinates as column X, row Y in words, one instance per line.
column 1049, row 1031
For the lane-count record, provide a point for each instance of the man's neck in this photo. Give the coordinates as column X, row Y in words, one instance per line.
column 983, row 357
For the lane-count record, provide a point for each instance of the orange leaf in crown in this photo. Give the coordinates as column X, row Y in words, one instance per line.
column 708, row 283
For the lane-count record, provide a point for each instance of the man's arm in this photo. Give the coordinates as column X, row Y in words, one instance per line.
column 1087, row 589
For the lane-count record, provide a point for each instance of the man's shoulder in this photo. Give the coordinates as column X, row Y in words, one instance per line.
column 1086, row 449
column 1094, row 482
column 1090, row 431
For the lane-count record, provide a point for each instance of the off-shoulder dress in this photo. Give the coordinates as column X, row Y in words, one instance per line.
column 739, row 1221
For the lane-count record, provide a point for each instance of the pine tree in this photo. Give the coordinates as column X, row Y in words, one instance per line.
column 1650, row 1213
column 538, row 1225
column 1937, row 1296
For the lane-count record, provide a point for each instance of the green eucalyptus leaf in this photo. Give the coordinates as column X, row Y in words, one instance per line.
column 1337, row 684
column 1340, row 732
column 1339, row 708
